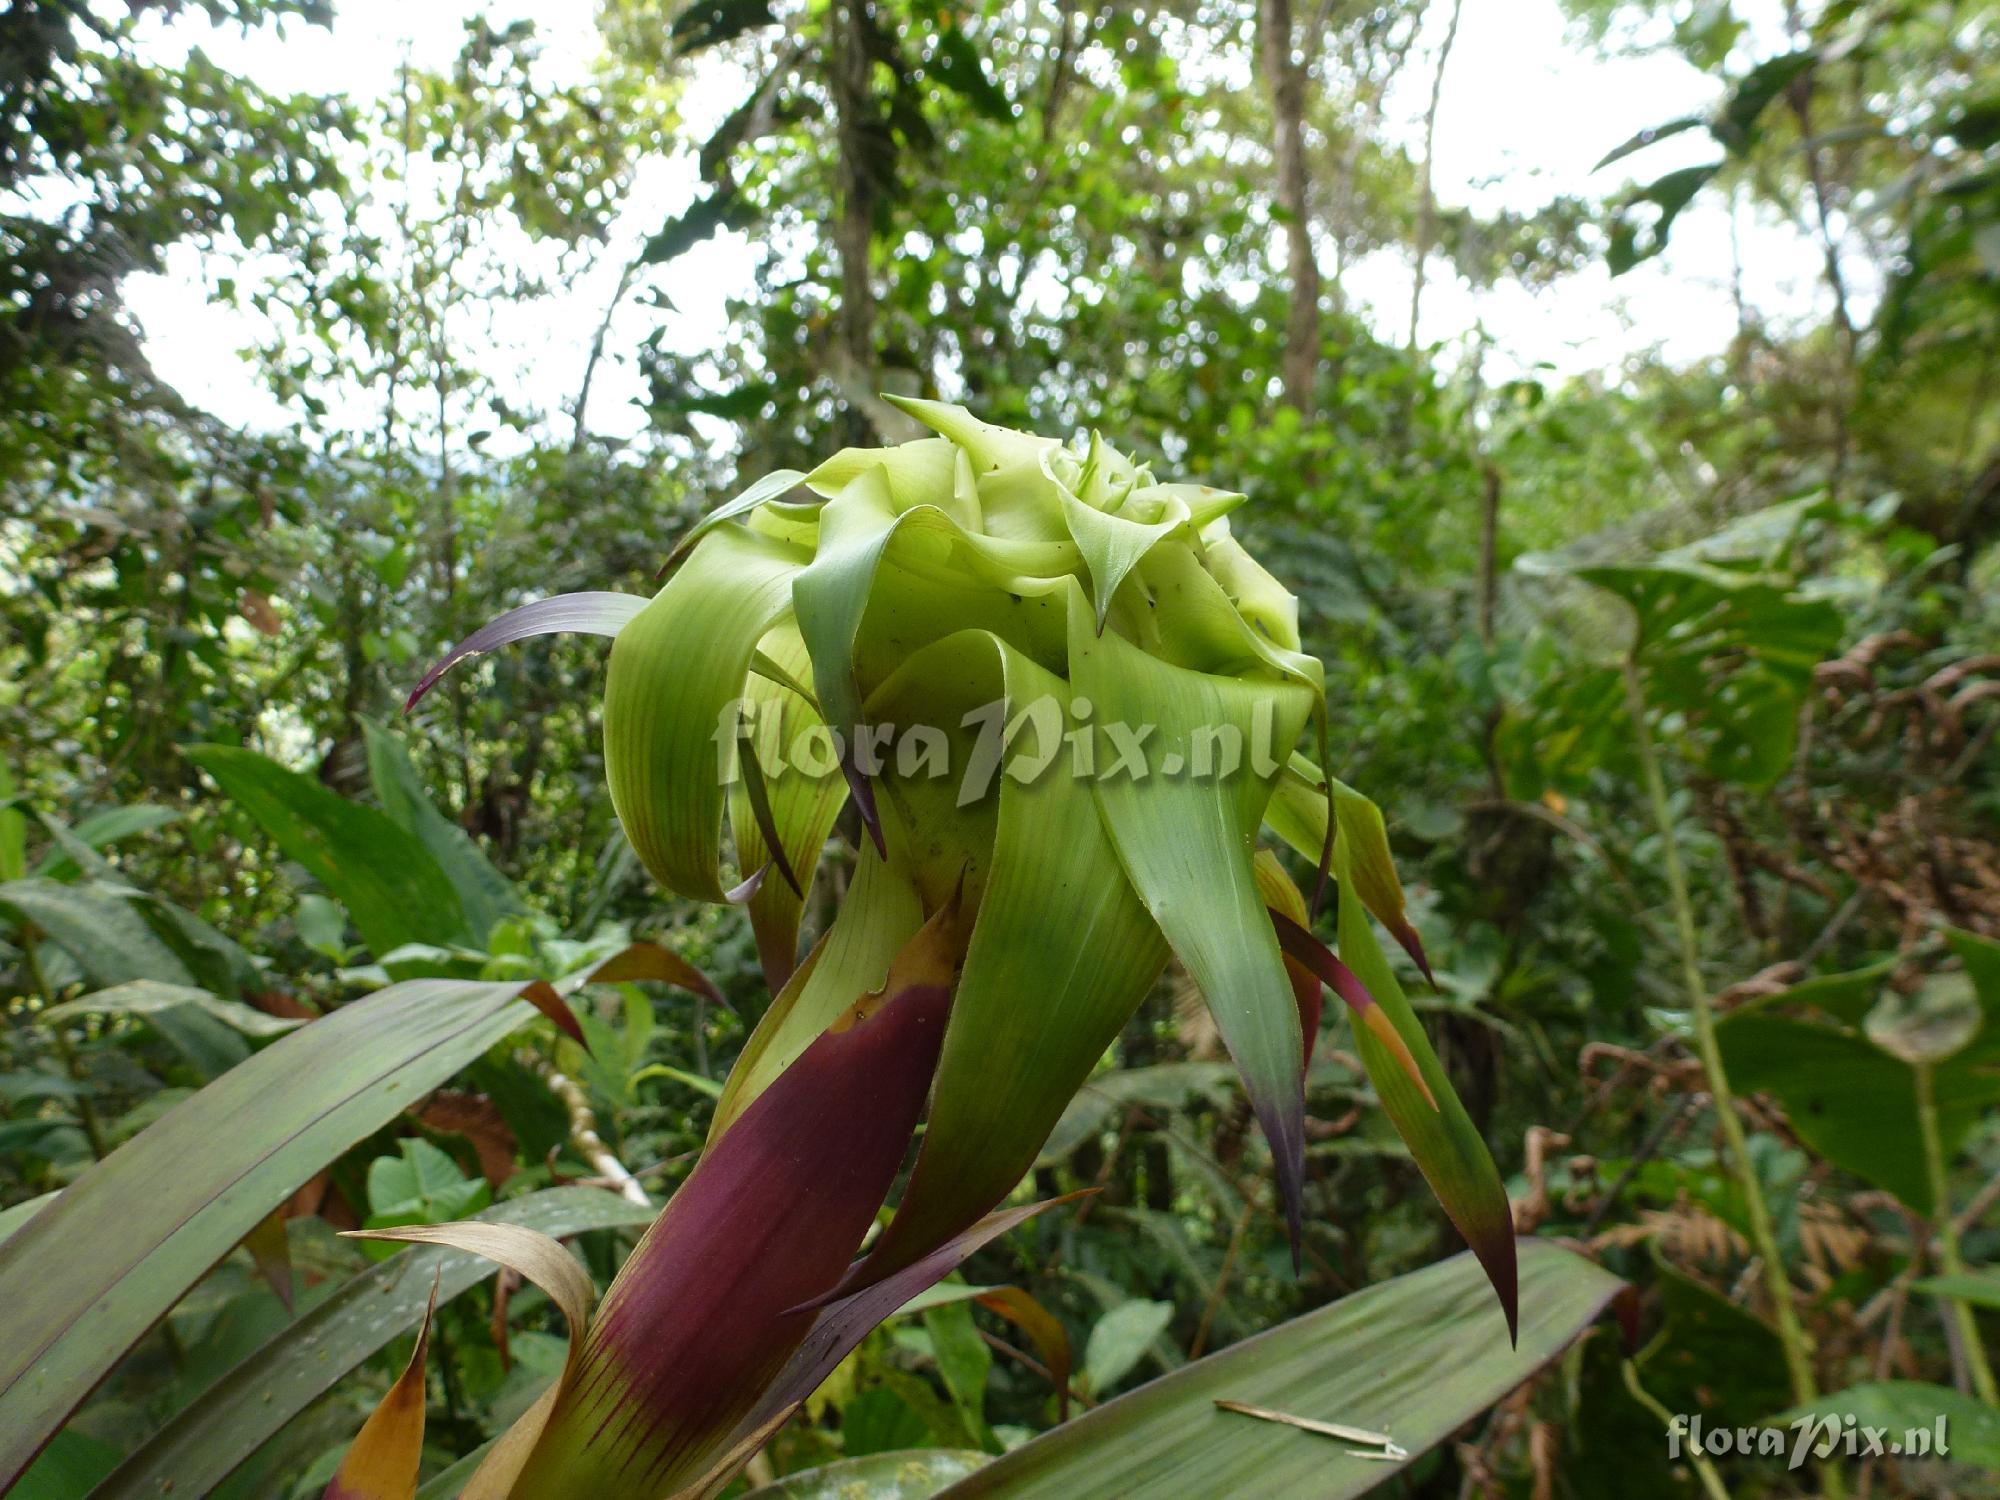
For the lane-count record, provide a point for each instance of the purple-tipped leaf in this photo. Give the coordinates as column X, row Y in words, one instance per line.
column 592, row 613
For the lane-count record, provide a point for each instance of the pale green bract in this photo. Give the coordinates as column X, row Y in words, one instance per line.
column 1053, row 684
column 1064, row 701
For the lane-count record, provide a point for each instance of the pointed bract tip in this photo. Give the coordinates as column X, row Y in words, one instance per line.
column 1406, row 935
column 1291, row 1187
column 425, row 683
column 864, row 804
column 544, row 997
column 1324, row 873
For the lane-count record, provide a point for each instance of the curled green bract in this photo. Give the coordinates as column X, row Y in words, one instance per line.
column 1065, row 702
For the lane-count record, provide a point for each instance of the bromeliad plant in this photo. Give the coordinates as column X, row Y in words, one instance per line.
column 1063, row 700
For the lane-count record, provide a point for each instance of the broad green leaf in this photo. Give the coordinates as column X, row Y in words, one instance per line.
column 1692, row 614
column 421, row 1185
column 99, row 926
column 676, row 670
column 963, row 1360
column 1183, row 821
column 97, row 1268
column 150, row 997
column 1120, row 1339
column 485, row 894
column 1710, row 1355
column 1854, row 1104
column 94, row 832
column 1062, row 949
column 1447, row 1146
column 1909, row 1412
column 1844, row 997
column 13, row 827
column 1981, row 1288
column 388, row 882
column 11, row 1219
column 1416, row 1358
column 1981, row 957
column 910, row 1474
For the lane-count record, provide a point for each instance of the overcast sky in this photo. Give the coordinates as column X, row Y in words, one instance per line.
column 1525, row 116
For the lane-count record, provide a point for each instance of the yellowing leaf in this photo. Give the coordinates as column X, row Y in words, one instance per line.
column 388, row 1451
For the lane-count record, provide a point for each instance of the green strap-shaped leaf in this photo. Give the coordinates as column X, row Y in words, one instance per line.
column 13, row 827
column 1062, row 951
column 386, row 879
column 1966, row 1425
column 85, row 1278
column 1266, row 605
column 98, row 925
column 11, row 1219
column 1297, row 815
column 803, row 805
column 675, row 670
column 1441, row 1136
column 880, row 915
column 905, row 1474
column 771, row 487
column 1184, row 824
column 203, row 1443
column 483, row 891
column 95, row 832
column 150, row 997
column 1413, row 1359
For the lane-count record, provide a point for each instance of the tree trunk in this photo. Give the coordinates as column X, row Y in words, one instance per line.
column 1287, row 77
column 854, row 229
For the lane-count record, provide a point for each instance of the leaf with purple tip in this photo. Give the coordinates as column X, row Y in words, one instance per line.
column 591, row 613
column 1432, row 1122
column 1183, row 823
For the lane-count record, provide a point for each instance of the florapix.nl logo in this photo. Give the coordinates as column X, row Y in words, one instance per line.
column 1808, row 1439
column 1020, row 740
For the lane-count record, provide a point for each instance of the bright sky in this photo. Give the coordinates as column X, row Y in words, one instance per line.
column 1525, row 116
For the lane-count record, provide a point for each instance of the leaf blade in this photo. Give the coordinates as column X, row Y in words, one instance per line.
column 1414, row 1357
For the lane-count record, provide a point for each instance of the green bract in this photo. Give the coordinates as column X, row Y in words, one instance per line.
column 1044, row 675
column 1064, row 701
